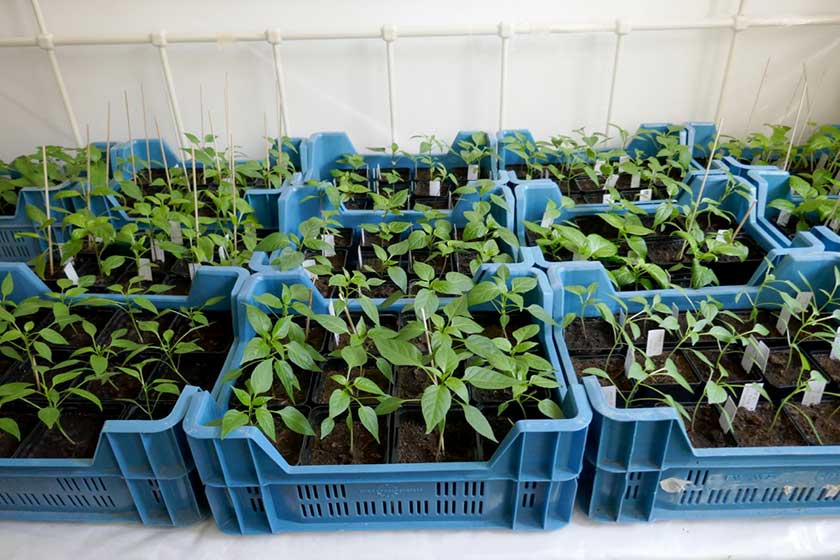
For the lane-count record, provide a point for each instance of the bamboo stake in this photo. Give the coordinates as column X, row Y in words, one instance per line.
column 163, row 154
column 146, row 133
column 201, row 111
column 757, row 95
column 130, row 139
column 232, row 164
column 796, row 121
column 267, row 150
column 215, row 148
column 744, row 219
column 195, row 195
column 49, row 212
column 108, row 146
column 87, row 168
column 699, row 197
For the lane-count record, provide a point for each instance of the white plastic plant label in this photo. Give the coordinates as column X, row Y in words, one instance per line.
column 622, row 318
column 720, row 236
column 193, row 267
column 834, row 224
column 612, row 180
column 629, row 360
column 472, row 172
column 609, row 394
column 378, row 172
column 750, row 395
column 598, row 165
column 359, row 261
column 675, row 311
column 157, row 253
column 762, row 355
column 175, row 233
column 144, row 269
column 331, row 308
column 645, row 195
column 70, row 272
column 835, row 346
column 822, row 161
column 727, row 415
column 783, row 218
column 607, row 199
column 329, row 249
column 623, row 159
column 434, row 187
column 813, row 392
column 636, row 182
column 655, row 342
column 748, row 359
column 802, row 299
column 546, row 220
column 306, row 264
column 222, row 254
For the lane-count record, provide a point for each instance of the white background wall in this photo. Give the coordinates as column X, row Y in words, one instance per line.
column 557, row 82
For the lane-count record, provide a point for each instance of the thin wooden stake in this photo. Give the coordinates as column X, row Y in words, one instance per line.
column 130, row 139
column 215, row 148
column 232, row 164
column 744, row 219
column 796, row 120
column 146, row 133
column 426, row 329
column 267, row 151
column 757, row 95
column 696, row 206
column 49, row 212
column 163, row 154
column 108, row 146
column 201, row 111
column 195, row 195
column 87, row 168
column 311, row 294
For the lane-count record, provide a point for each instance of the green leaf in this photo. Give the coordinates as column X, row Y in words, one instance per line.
column 478, row 422
column 398, row 352
column 297, row 422
column 258, row 319
column 49, row 416
column 368, row 418
column 550, row 408
column 354, row 356
column 425, row 303
column 331, row 323
column 231, row 420
column 86, row 395
column 485, row 378
column 715, row 393
column 6, row 289
column 339, row 401
column 262, row 377
column 266, row 422
column 367, row 385
column 435, row 403
column 398, row 277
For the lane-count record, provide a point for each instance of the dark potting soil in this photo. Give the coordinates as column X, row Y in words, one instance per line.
column 281, row 397
column 287, row 442
column 756, row 429
column 830, row 367
column 778, row 372
column 414, row 445
column 315, row 336
column 326, row 385
column 118, row 386
column 421, row 190
column 764, row 317
column 122, row 320
column 74, row 334
column 704, row 430
column 679, row 361
column 594, row 334
column 83, row 430
column 436, row 202
column 825, row 417
column 199, row 369
column 9, row 443
column 409, row 383
column 614, row 367
column 493, row 328
column 217, row 335
column 335, row 448
column 730, row 363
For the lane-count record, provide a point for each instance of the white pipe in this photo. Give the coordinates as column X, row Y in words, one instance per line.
column 505, row 31
column 160, row 40
column 45, row 41
column 429, row 32
column 621, row 29
column 274, row 37
column 738, row 25
column 389, row 35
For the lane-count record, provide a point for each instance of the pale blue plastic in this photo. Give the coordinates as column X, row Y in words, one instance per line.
column 142, row 470
column 22, row 249
column 640, row 464
column 529, row 483
column 323, row 149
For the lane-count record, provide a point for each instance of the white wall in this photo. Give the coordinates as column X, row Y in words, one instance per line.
column 557, row 82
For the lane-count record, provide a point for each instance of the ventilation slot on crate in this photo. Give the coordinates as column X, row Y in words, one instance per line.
column 632, row 490
column 12, row 247
column 255, row 498
column 529, row 494
column 6, row 499
column 155, row 491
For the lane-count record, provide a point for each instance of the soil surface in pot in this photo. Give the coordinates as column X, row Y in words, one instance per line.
column 704, row 430
column 8, row 443
column 335, row 448
column 778, row 372
column 414, row 445
column 287, row 442
column 756, row 429
column 825, row 417
column 829, row 366
column 83, row 430
column 327, row 385
column 594, row 334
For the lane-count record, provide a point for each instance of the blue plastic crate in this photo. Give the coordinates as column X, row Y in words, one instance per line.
column 529, row 483
column 262, row 200
column 532, row 197
column 298, row 204
column 640, row 464
column 641, row 144
column 142, row 470
column 323, row 149
column 22, row 249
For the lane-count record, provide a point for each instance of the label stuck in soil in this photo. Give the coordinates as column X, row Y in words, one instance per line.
column 598, row 165
column 546, row 220
column 434, row 187
column 802, row 300
column 472, row 172
column 720, row 236
column 629, row 360
column 144, row 269
column 762, row 355
column 175, row 233
column 222, row 254
column 822, row 161
column 363, row 238
column 675, row 311
column 783, row 218
column 835, row 346
column 306, row 264
column 378, row 172
column 814, row 392
column 611, row 181
column 359, row 262
column 609, row 394
column 331, row 308
column 750, row 395
column 70, row 272
column 607, row 199
column 727, row 415
column 329, row 250
column 193, row 267
column 748, row 359
column 655, row 342
column 157, row 253
column 645, row 195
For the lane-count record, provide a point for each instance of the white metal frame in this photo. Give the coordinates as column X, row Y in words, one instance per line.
column 389, row 34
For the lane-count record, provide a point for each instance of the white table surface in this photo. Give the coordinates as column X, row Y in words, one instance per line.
column 735, row 539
